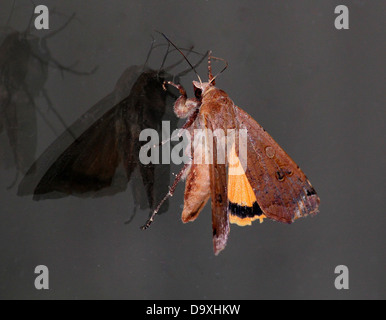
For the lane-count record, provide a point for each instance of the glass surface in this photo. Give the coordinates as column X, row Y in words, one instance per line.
column 317, row 90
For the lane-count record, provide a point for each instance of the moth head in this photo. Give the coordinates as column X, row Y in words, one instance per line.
column 200, row 88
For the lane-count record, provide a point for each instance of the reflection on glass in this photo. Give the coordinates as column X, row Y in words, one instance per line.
column 24, row 63
column 99, row 154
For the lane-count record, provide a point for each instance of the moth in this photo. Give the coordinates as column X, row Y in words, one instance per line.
column 98, row 154
column 24, row 65
column 271, row 184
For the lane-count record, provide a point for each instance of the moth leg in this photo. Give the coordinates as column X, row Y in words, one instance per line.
column 180, row 88
column 168, row 195
column 187, row 124
column 180, row 132
column 183, row 105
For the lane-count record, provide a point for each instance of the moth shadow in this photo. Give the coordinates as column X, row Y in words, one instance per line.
column 98, row 155
column 25, row 61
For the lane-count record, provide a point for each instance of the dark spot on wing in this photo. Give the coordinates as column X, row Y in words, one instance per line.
column 311, row 191
column 280, row 175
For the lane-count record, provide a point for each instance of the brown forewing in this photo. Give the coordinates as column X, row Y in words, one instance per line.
column 220, row 218
column 282, row 190
column 214, row 111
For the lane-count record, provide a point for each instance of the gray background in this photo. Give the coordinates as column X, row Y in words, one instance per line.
column 318, row 91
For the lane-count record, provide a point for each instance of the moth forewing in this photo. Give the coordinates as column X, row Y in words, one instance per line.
column 218, row 188
column 282, row 190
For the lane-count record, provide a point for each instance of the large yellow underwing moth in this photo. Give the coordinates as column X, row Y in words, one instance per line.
column 271, row 184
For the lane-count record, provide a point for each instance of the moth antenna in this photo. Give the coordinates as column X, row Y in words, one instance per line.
column 182, row 73
column 166, row 69
column 165, row 56
column 210, row 75
column 226, row 66
column 149, row 53
column 175, row 64
column 193, row 68
column 189, row 51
